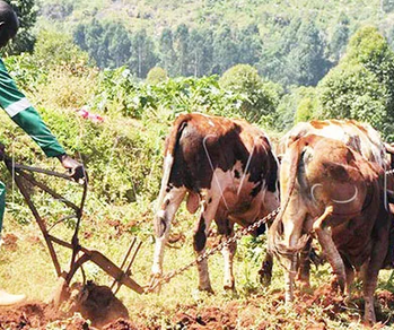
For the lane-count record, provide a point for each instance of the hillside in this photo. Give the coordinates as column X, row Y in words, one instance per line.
column 156, row 15
column 289, row 42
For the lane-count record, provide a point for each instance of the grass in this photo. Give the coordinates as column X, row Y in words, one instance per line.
column 26, row 267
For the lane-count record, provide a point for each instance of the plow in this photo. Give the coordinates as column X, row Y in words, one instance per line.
column 25, row 178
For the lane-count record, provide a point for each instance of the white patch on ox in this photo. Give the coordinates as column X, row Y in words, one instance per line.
column 166, row 213
column 215, row 176
column 168, row 162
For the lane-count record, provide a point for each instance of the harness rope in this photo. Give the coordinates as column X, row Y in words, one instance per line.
column 156, row 282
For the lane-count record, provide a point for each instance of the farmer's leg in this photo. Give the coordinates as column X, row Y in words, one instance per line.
column 6, row 298
column 2, row 204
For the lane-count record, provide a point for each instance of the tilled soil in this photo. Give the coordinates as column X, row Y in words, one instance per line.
column 233, row 315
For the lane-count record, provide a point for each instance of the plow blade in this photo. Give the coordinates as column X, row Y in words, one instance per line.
column 114, row 271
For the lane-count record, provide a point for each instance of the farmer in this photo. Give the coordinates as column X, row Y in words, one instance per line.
column 25, row 116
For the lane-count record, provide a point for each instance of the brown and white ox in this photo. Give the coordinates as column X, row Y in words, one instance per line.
column 359, row 136
column 331, row 192
column 225, row 166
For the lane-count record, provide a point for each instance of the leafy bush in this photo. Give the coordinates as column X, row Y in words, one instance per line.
column 353, row 92
column 305, row 110
column 156, row 75
column 118, row 92
column 361, row 87
column 259, row 98
column 57, row 49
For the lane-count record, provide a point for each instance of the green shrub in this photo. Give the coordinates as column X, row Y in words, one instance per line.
column 305, row 110
column 57, row 49
column 258, row 99
column 156, row 75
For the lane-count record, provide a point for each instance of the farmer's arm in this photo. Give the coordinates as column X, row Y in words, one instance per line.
column 25, row 116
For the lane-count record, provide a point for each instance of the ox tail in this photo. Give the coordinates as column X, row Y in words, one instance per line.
column 172, row 143
column 275, row 240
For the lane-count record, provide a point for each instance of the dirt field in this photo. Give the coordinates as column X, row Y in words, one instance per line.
column 101, row 312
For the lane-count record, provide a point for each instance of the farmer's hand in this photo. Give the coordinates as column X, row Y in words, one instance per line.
column 76, row 169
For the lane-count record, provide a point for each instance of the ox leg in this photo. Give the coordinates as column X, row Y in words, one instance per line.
column 304, row 266
column 228, row 253
column 370, row 274
column 200, row 236
column 290, row 277
column 266, row 269
column 349, row 279
column 370, row 278
column 163, row 220
column 323, row 232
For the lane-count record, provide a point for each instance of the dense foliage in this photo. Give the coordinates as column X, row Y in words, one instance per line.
column 292, row 43
column 27, row 14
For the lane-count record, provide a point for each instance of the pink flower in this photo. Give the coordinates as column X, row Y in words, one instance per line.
column 84, row 113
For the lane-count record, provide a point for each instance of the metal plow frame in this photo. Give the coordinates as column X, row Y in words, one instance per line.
column 23, row 174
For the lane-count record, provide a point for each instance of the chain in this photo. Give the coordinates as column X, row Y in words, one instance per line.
column 390, row 171
column 156, row 282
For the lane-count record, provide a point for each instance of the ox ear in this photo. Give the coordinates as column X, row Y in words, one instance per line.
column 370, row 171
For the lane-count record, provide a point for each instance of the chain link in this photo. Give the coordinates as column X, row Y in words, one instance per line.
column 157, row 282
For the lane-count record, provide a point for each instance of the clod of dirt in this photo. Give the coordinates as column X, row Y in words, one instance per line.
column 97, row 304
column 120, row 325
column 10, row 242
column 27, row 316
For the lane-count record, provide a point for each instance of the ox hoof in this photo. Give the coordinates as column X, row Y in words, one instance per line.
column 230, row 292
column 229, row 287
column 265, row 278
column 265, row 274
column 338, row 285
column 154, row 287
column 207, row 290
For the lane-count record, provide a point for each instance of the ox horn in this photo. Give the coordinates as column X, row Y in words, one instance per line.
column 348, row 200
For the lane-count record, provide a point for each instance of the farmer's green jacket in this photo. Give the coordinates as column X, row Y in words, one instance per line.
column 25, row 116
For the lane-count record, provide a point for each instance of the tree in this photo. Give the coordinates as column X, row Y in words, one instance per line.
column 143, row 56
column 167, row 53
column 249, row 45
column 119, row 45
column 307, row 58
column 259, row 98
column 225, row 50
column 200, row 52
column 362, row 85
column 387, row 5
column 340, row 38
column 27, row 14
column 182, row 49
column 107, row 43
